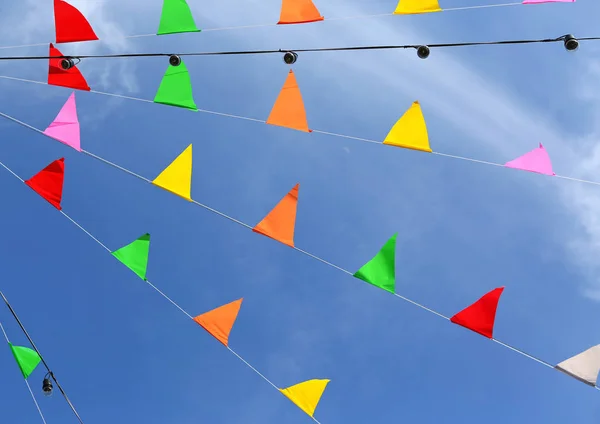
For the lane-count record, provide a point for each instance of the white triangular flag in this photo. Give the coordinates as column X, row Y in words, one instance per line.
column 584, row 366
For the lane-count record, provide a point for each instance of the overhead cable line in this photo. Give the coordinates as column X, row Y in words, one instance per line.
column 291, row 55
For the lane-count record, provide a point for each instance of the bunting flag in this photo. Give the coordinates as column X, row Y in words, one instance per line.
column 279, row 224
column 410, row 131
column 306, row 395
column 381, row 270
column 547, row 1
column 480, row 316
column 409, row 7
column 65, row 127
column 26, row 358
column 177, row 177
column 70, row 25
column 219, row 321
column 176, row 88
column 135, row 255
column 48, row 183
column 298, row 12
column 537, row 161
column 70, row 78
column 176, row 17
column 583, row 366
column 288, row 110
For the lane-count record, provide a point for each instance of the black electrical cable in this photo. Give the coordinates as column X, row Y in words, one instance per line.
column 325, row 49
column 41, row 357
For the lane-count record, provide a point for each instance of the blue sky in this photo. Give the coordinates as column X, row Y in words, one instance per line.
column 124, row 354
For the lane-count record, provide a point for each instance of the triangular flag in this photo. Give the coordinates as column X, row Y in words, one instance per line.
column 408, row 7
column 480, row 316
column 219, row 321
column 298, row 12
column 536, row 160
column 48, row 183
column 176, row 88
column 279, row 224
column 26, row 358
column 410, row 131
column 135, row 255
column 176, row 17
column 306, row 395
column 381, row 270
column 70, row 25
column 70, row 78
column 584, row 366
column 65, row 127
column 547, row 1
column 288, row 110
column 177, row 177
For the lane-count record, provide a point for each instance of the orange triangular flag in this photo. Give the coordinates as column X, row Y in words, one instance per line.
column 298, row 12
column 279, row 224
column 219, row 321
column 288, row 110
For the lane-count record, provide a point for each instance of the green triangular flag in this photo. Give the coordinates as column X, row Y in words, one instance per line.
column 381, row 270
column 176, row 88
column 27, row 359
column 135, row 255
column 176, row 17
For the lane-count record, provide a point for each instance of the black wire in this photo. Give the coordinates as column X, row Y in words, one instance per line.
column 325, row 49
column 41, row 357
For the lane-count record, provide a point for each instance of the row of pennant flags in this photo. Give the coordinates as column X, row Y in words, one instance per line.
column 410, row 131
column 176, row 17
column 279, row 225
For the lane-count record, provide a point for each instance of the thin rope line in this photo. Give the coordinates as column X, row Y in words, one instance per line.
column 432, row 311
column 273, row 24
column 365, row 140
column 150, row 284
column 26, row 382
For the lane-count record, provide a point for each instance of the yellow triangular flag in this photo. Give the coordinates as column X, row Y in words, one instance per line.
column 177, row 177
column 410, row 131
column 408, row 7
column 306, row 395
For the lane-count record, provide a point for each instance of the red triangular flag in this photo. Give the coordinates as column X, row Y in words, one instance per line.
column 71, row 78
column 480, row 316
column 48, row 183
column 70, row 25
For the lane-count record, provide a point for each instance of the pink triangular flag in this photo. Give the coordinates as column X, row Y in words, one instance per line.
column 547, row 1
column 535, row 161
column 65, row 127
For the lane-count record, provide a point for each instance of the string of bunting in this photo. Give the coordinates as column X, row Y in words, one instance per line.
column 279, row 225
column 176, row 17
column 409, row 132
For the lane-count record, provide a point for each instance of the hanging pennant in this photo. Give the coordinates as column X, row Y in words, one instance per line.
column 135, row 255
column 48, row 183
column 410, row 131
column 219, row 322
column 306, row 395
column 409, row 7
column 298, row 12
column 26, row 358
column 176, row 17
column 176, row 88
column 177, row 177
column 480, row 316
column 381, row 270
column 537, row 161
column 70, row 78
column 279, row 224
column 65, row 127
column 583, row 366
column 288, row 110
column 70, row 24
